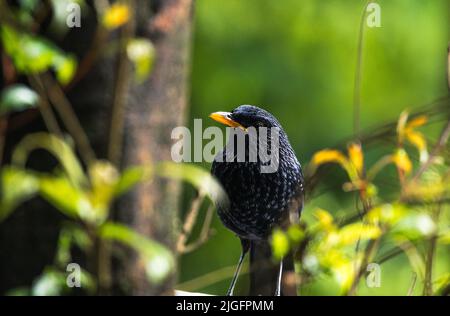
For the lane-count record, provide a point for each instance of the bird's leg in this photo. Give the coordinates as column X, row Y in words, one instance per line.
column 245, row 247
column 280, row 276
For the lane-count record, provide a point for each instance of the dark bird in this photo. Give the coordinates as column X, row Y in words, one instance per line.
column 258, row 201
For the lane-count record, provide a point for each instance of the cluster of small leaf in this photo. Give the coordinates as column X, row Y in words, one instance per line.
column 85, row 198
column 343, row 247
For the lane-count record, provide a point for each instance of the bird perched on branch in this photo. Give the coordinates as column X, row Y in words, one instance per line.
column 259, row 199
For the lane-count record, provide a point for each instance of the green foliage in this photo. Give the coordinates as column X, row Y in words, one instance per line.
column 158, row 261
column 86, row 197
column 32, row 54
column 280, row 244
column 17, row 98
column 142, row 53
column 335, row 249
column 19, row 186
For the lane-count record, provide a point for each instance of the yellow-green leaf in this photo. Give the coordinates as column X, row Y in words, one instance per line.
column 280, row 244
column 142, row 53
column 418, row 140
column 351, row 233
column 116, row 15
column 417, row 121
column 327, row 156
column 158, row 260
column 356, row 156
column 295, row 233
column 56, row 146
column 402, row 161
column 325, row 219
column 17, row 186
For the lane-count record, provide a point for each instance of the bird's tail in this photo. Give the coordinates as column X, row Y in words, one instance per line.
column 264, row 272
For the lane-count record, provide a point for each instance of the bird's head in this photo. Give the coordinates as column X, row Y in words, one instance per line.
column 245, row 116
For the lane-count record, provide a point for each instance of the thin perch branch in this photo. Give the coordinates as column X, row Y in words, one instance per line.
column 189, row 222
column 205, row 232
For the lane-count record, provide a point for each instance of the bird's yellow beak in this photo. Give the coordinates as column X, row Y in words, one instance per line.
column 224, row 118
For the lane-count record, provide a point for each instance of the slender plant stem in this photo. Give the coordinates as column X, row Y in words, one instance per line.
column 413, row 284
column 368, row 254
column 443, row 138
column 70, row 119
column 44, row 107
column 120, row 91
column 358, row 76
column 204, row 234
column 189, row 223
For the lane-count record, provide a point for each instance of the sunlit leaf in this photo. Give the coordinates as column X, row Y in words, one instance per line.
column 418, row 140
column 17, row 97
column 445, row 238
column 68, row 199
column 201, row 179
column 311, row 263
column 17, row 186
column 65, row 67
column 280, row 244
column 402, row 161
column 71, row 235
column 116, row 15
column 414, row 226
column 371, row 190
column 32, row 54
column 159, row 261
column 386, row 214
column 142, row 53
column 88, row 282
column 417, row 121
column 351, row 233
column 441, row 284
column 344, row 274
column 324, row 219
column 295, row 233
column 56, row 146
column 130, row 177
column 356, row 156
column 63, row 255
column 50, row 283
column 327, row 156
column 103, row 177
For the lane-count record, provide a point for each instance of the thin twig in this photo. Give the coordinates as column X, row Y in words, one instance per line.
column 189, row 222
column 204, row 234
column 44, row 107
column 398, row 250
column 70, row 119
column 358, row 76
column 443, row 138
column 368, row 253
column 413, row 284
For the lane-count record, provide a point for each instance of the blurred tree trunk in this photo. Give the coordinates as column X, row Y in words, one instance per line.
column 153, row 109
column 144, row 114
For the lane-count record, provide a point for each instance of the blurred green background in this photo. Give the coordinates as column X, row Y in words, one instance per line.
column 297, row 59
